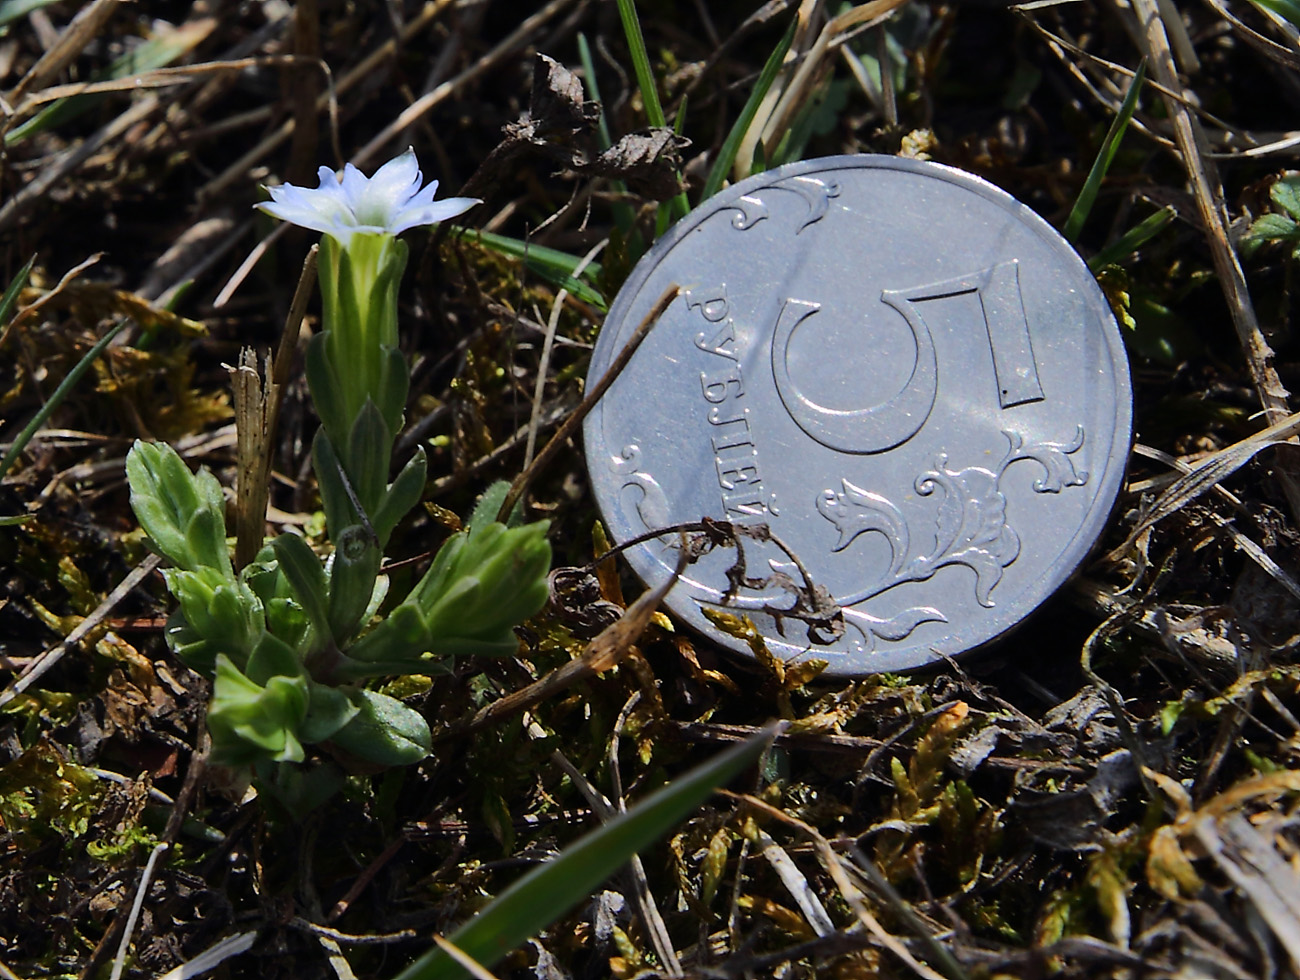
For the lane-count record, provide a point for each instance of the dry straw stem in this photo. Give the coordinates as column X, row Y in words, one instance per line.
column 256, row 408
column 603, row 653
column 835, row 867
column 543, row 365
column 1096, row 74
column 81, row 30
column 1207, row 474
column 783, row 103
column 516, row 41
column 1208, row 192
column 363, row 70
column 652, row 921
column 54, row 654
column 570, row 426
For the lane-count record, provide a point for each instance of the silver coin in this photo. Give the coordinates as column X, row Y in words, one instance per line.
column 902, row 372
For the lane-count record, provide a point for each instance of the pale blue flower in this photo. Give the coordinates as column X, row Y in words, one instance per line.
column 388, row 203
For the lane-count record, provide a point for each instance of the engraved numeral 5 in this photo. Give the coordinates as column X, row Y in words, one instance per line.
column 876, row 428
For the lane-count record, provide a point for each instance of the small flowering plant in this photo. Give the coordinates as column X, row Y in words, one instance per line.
column 291, row 640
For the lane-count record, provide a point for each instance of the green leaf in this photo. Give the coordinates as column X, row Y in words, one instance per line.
column 489, row 505
column 12, row 10
column 285, row 616
column 222, row 611
column 182, row 512
column 550, row 890
column 1269, row 228
column 15, row 287
column 1133, row 239
column 370, row 446
column 641, row 63
column 493, row 579
column 69, row 382
column 727, row 155
column 1285, row 193
column 339, row 512
column 328, row 710
column 326, row 388
column 1286, row 9
column 272, row 657
column 390, row 396
column 251, row 722
column 384, row 731
column 403, row 494
column 551, row 264
column 353, row 571
column 298, row 788
column 395, row 646
column 1110, row 145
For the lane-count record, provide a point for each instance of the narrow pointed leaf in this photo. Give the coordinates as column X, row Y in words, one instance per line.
column 1110, row 145
column 552, row 889
column 306, row 575
column 727, row 155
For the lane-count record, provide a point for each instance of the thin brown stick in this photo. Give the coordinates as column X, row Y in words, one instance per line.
column 258, row 397
column 81, row 30
column 1208, row 191
column 601, row 654
column 364, row 70
column 54, row 654
column 520, row 37
column 571, row 424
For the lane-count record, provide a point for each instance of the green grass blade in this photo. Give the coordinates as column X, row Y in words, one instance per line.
column 645, row 79
column 12, row 10
column 65, row 386
column 593, row 89
column 624, row 214
column 1287, row 9
column 727, row 155
column 158, row 53
column 551, row 889
column 555, row 266
column 1133, row 239
column 654, row 110
column 11, row 294
column 1088, row 196
column 680, row 206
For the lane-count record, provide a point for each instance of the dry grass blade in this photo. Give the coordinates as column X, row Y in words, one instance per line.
column 83, row 29
column 1266, row 45
column 597, row 392
column 141, row 891
column 816, row 64
column 1253, row 863
column 213, row 956
column 363, row 70
column 511, row 45
column 796, row 884
column 603, row 653
column 543, row 365
column 54, row 654
column 1208, row 474
column 1209, row 201
column 835, row 866
column 471, row 965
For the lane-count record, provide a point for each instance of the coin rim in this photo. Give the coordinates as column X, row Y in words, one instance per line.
column 1030, row 600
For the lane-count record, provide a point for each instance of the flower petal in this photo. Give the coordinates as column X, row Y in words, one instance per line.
column 388, row 203
column 430, row 214
column 388, row 191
